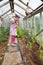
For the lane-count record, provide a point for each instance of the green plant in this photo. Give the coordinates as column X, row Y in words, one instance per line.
column 41, row 53
column 3, row 34
column 7, row 31
column 42, row 43
column 19, row 32
column 33, row 38
column 41, row 50
column 29, row 44
column 0, row 62
column 26, row 32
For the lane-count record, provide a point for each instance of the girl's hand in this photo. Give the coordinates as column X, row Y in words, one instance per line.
column 11, row 20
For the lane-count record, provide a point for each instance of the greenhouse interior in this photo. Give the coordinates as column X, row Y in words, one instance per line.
column 21, row 32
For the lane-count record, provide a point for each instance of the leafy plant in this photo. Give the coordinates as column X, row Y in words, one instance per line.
column 41, row 50
column 29, row 44
column 42, row 43
column 3, row 34
column 41, row 53
column 19, row 32
column 0, row 62
column 26, row 32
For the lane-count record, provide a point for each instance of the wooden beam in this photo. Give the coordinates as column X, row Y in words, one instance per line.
column 12, row 5
column 5, row 12
column 36, row 11
column 9, row 11
column 25, row 4
column 11, row 0
column 4, row 4
column 20, row 13
column 6, row 15
column 19, row 6
column 39, row 33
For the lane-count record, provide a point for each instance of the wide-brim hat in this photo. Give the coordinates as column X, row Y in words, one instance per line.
column 16, row 15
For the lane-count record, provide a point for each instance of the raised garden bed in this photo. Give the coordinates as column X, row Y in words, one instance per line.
column 31, row 55
column 2, row 51
column 4, row 36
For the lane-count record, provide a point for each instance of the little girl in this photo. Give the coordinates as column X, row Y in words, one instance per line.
column 13, row 25
column 13, row 31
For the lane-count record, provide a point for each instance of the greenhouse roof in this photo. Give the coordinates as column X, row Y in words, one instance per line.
column 17, row 6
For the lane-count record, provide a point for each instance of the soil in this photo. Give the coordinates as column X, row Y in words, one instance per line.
column 2, row 52
column 31, row 56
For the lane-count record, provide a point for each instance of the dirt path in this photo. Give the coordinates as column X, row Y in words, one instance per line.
column 12, row 56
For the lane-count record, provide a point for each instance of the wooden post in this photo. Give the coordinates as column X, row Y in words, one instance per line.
column 41, row 25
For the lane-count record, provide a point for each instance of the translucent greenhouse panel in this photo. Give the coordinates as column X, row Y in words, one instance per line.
column 42, row 16
column 33, row 3
column 6, row 20
column 41, row 24
column 28, row 24
column 1, row 12
column 37, row 26
column 33, row 26
column 4, row 8
column 36, row 4
column 20, row 10
column 17, row 1
column 25, row 24
column 25, row 1
column 21, row 23
column 37, row 22
column 42, row 28
column 4, row 16
column 2, row 2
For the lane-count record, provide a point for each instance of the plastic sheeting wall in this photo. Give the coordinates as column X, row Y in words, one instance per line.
column 33, row 24
column 6, row 24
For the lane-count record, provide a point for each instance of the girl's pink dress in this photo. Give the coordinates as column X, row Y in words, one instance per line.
column 13, row 29
column 13, row 32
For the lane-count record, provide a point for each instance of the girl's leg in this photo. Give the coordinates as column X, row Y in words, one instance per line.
column 12, row 39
